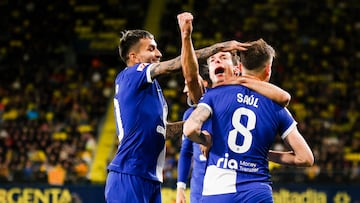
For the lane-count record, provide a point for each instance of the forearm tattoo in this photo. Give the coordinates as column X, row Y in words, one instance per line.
column 174, row 64
column 205, row 53
column 174, row 129
column 199, row 115
column 166, row 67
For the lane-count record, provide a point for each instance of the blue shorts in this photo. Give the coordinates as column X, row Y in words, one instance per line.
column 122, row 187
column 256, row 193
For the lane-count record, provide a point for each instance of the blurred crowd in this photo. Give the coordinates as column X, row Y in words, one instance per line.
column 57, row 82
column 51, row 102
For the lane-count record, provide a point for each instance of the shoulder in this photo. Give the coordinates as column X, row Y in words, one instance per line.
column 139, row 67
column 140, row 71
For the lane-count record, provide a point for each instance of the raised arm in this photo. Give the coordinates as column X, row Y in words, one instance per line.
column 165, row 67
column 189, row 57
column 190, row 66
column 204, row 53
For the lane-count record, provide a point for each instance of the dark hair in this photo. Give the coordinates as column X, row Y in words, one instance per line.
column 128, row 39
column 234, row 57
column 204, row 73
column 257, row 55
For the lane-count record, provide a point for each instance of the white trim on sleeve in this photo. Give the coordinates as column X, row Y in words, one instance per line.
column 287, row 132
column 206, row 106
column 148, row 76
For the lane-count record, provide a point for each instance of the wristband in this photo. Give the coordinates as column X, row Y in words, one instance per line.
column 181, row 185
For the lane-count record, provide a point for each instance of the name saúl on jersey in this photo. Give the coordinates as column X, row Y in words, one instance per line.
column 250, row 100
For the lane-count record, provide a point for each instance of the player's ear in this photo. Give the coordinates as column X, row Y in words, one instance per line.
column 239, row 67
column 267, row 68
column 236, row 70
column 132, row 56
column 267, row 71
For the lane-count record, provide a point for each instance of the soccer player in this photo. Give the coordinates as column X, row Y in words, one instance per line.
column 190, row 151
column 191, row 157
column 244, row 125
column 135, row 173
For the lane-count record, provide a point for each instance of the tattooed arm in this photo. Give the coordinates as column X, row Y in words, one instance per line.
column 165, row 67
column 204, row 53
column 172, row 65
column 174, row 129
column 192, row 126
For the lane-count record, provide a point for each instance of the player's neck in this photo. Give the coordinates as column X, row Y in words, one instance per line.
column 251, row 76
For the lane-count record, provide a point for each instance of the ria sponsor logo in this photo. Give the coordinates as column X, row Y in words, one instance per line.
column 227, row 163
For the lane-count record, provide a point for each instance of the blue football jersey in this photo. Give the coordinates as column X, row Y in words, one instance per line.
column 140, row 113
column 244, row 126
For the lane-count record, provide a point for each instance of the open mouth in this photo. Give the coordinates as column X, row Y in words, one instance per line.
column 219, row 70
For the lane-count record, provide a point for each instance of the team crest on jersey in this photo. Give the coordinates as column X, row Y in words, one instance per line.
column 141, row 66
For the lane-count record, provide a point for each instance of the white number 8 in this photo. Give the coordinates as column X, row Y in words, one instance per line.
column 239, row 128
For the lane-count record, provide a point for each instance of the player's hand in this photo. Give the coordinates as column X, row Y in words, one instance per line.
column 233, row 45
column 185, row 23
column 180, row 196
column 205, row 148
